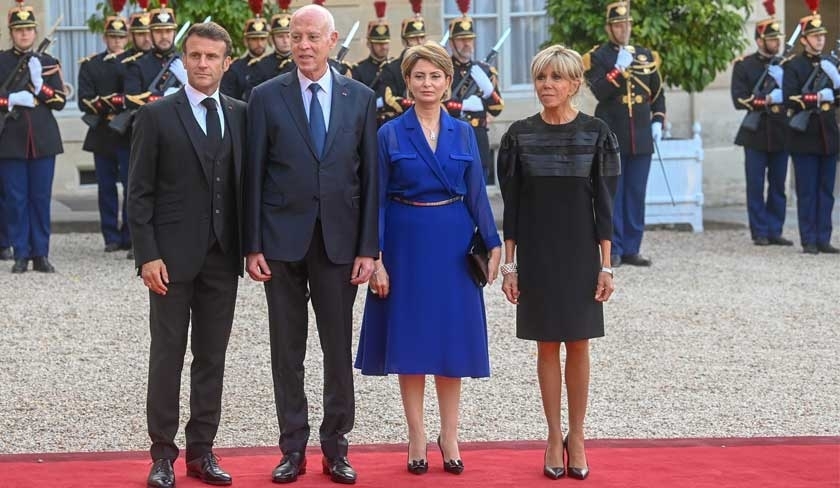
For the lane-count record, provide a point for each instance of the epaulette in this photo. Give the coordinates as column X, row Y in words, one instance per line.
column 739, row 59
column 587, row 58
column 657, row 59
column 87, row 58
column 133, row 57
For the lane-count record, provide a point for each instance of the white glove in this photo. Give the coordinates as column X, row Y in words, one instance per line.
column 624, row 59
column 777, row 73
column 775, row 96
column 21, row 99
column 379, row 103
column 36, row 73
column 826, row 95
column 472, row 104
column 170, row 91
column 177, row 69
column 656, row 131
column 831, row 71
column 482, row 80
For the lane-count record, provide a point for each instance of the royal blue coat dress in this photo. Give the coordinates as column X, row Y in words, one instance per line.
column 433, row 320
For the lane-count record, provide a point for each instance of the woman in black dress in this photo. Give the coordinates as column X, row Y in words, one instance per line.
column 558, row 172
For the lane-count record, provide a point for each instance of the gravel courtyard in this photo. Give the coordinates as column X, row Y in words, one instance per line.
column 718, row 338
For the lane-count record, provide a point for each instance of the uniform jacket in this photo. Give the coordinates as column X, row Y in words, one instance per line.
column 139, row 75
column 772, row 132
column 628, row 102
column 242, row 76
column 493, row 104
column 288, row 186
column 31, row 133
column 100, row 93
column 821, row 136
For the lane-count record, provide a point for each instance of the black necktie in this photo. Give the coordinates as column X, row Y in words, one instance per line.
column 317, row 126
column 214, row 125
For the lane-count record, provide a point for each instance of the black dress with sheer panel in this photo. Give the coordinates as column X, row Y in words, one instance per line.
column 558, row 183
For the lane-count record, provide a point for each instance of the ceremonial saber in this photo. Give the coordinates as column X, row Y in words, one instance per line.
column 345, row 46
column 445, row 38
column 664, row 174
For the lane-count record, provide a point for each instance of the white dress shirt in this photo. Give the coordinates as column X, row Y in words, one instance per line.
column 199, row 112
column 324, row 94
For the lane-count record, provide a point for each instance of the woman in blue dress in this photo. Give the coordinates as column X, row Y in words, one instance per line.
column 424, row 314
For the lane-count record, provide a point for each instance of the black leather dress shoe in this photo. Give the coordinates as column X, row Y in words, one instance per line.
column 780, row 241
column 20, row 266
column 291, row 466
column 810, row 249
column 6, row 254
column 112, row 247
column 42, row 264
column 615, row 260
column 761, row 241
column 827, row 249
column 340, row 470
column 207, row 469
column 635, row 260
column 162, row 474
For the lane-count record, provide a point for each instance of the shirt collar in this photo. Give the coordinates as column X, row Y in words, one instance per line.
column 196, row 97
column 325, row 81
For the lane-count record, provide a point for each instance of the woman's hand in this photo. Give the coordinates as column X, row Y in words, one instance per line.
column 605, row 288
column 493, row 265
column 380, row 283
column 510, row 286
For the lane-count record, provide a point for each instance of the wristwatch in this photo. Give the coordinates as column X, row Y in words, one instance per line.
column 609, row 271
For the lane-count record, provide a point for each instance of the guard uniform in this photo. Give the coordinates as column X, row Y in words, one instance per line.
column 29, row 143
column 242, row 76
column 101, row 97
column 144, row 70
column 629, row 102
column 369, row 70
column 815, row 144
column 394, row 93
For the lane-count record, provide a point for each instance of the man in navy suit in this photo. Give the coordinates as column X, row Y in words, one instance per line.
column 311, row 230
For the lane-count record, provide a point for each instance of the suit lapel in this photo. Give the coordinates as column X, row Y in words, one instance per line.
column 227, row 110
column 418, row 140
column 340, row 97
column 294, row 100
column 196, row 136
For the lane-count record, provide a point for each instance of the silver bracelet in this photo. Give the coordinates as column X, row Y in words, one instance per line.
column 508, row 268
column 609, row 271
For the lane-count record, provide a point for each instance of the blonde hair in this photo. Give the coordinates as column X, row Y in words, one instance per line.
column 432, row 52
column 561, row 60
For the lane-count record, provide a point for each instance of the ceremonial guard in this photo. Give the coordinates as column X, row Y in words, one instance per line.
column 475, row 86
column 29, row 139
column 281, row 61
column 369, row 70
column 626, row 81
column 138, row 30
column 242, row 75
column 394, row 97
column 812, row 91
column 757, row 88
column 101, row 97
column 161, row 71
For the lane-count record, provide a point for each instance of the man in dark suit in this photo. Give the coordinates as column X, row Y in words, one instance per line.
column 311, row 230
column 184, row 207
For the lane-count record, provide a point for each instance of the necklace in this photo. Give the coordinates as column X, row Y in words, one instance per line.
column 432, row 133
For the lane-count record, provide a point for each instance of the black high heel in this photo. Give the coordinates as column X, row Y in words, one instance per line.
column 553, row 473
column 576, row 473
column 453, row 466
column 417, row 466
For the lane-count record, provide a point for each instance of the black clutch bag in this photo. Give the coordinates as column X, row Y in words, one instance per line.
column 478, row 262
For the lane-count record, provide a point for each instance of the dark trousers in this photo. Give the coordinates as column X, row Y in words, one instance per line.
column 629, row 205
column 209, row 301
column 4, row 228
column 110, row 170
column 483, row 142
column 287, row 293
column 815, row 176
column 27, row 184
column 766, row 214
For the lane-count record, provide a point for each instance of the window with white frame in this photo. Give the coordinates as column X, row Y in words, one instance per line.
column 529, row 29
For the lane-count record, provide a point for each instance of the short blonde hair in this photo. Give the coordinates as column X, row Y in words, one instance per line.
column 433, row 53
column 561, row 60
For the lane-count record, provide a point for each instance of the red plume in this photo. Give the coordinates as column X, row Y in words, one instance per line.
column 463, row 6
column 163, row 3
column 256, row 6
column 117, row 5
column 814, row 5
column 144, row 4
column 770, row 7
column 319, row 2
column 284, row 4
column 416, row 6
column 379, row 6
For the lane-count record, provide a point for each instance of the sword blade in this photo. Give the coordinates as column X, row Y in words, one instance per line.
column 664, row 174
column 351, row 35
column 502, row 40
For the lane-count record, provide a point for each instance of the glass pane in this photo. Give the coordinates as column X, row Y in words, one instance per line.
column 73, row 41
column 450, row 8
column 486, row 33
column 527, row 34
column 527, row 6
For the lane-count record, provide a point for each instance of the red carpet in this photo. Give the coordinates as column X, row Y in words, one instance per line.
column 796, row 462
